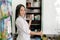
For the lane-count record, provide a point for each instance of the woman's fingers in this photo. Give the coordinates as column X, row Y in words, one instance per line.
column 30, row 17
column 41, row 33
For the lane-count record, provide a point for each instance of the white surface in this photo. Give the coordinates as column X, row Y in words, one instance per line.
column 51, row 17
column 57, row 4
column 14, row 4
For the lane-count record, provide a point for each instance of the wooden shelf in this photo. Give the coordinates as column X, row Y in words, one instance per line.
column 35, row 21
column 35, row 36
column 33, row 13
column 35, row 24
column 33, row 7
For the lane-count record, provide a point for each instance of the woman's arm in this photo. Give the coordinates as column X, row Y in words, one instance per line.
column 32, row 32
column 36, row 33
column 30, row 20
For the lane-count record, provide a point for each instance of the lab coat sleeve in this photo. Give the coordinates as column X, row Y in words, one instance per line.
column 22, row 26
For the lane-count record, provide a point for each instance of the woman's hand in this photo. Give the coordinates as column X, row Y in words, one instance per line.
column 40, row 33
column 31, row 17
column 36, row 33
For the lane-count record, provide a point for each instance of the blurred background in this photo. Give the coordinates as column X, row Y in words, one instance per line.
column 45, row 18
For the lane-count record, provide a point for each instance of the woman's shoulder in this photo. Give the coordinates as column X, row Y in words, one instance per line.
column 19, row 19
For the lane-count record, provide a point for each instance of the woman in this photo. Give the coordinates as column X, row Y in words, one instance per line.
column 22, row 26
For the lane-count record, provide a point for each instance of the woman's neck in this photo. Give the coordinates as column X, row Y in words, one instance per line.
column 24, row 17
column 21, row 16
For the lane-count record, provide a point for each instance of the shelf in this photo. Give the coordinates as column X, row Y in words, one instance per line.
column 32, row 20
column 35, row 36
column 33, row 7
column 33, row 13
column 35, row 21
column 33, row 27
column 28, row 19
column 35, row 24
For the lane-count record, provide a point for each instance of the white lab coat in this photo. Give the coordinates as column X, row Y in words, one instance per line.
column 22, row 29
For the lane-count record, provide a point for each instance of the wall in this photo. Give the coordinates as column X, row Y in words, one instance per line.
column 49, row 23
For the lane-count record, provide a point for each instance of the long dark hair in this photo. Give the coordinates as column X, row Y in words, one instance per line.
column 17, row 12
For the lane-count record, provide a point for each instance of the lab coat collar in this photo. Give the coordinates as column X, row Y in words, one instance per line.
column 23, row 17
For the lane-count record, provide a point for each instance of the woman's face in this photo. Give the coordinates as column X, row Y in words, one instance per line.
column 22, row 11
